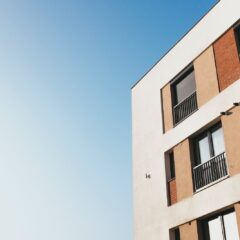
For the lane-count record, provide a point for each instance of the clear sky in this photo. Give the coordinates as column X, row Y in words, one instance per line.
column 66, row 68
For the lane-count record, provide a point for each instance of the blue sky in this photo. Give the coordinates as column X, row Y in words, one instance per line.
column 66, row 69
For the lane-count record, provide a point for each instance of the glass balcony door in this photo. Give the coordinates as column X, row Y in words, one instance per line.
column 184, row 97
column 210, row 144
column 210, row 159
column 222, row 227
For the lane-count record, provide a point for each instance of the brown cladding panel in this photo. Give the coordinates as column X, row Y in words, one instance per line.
column 206, row 76
column 172, row 188
column 227, row 59
column 189, row 231
column 231, row 128
column 167, row 108
column 183, row 168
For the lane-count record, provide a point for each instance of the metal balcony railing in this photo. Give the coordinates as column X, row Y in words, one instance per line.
column 210, row 171
column 183, row 109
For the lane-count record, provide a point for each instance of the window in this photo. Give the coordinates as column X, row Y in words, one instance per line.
column 221, row 227
column 237, row 35
column 184, row 95
column 170, row 174
column 209, row 160
column 209, row 144
column 175, row 234
column 172, row 165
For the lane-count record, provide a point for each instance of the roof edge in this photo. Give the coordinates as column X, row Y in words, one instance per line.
column 141, row 78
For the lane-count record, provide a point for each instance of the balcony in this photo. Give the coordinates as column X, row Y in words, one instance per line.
column 210, row 171
column 183, row 109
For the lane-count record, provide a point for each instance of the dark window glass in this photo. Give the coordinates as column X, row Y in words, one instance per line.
column 177, row 234
column 184, row 87
column 184, row 98
column 237, row 34
column 172, row 165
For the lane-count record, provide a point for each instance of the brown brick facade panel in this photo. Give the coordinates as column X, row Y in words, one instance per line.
column 227, row 59
column 206, row 77
column 183, row 169
column 172, row 190
column 231, row 129
column 167, row 108
column 189, row 231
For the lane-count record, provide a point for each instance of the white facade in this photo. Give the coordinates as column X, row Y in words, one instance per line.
column 152, row 216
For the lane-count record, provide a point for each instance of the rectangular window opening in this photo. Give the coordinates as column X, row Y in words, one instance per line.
column 222, row 226
column 184, row 97
column 172, row 165
column 170, row 175
column 209, row 157
column 175, row 234
column 237, row 36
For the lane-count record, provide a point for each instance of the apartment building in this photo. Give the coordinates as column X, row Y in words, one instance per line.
column 186, row 135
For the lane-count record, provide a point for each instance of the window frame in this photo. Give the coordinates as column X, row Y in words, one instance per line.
column 172, row 170
column 207, row 133
column 175, row 234
column 179, row 114
column 204, row 223
column 180, row 77
column 237, row 37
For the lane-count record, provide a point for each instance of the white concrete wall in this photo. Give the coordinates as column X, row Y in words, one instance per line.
column 151, row 214
column 152, row 217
